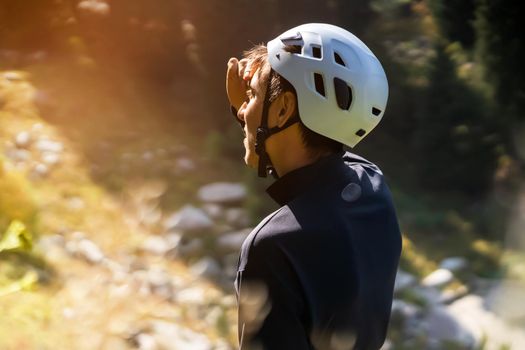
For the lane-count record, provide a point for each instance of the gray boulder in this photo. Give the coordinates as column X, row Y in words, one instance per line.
column 441, row 326
column 222, row 192
column 45, row 145
column 23, row 139
column 206, row 267
column 231, row 242
column 170, row 336
column 454, row 264
column 404, row 280
column 237, row 217
column 188, row 219
column 438, row 278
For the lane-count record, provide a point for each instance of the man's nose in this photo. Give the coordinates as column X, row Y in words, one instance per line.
column 240, row 113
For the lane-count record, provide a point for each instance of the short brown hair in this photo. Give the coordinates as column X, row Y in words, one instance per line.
column 316, row 143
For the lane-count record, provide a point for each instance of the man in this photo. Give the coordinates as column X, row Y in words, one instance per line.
column 319, row 272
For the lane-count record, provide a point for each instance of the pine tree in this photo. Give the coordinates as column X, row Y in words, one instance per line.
column 500, row 48
column 455, row 139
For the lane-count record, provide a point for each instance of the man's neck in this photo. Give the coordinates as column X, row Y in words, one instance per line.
column 288, row 152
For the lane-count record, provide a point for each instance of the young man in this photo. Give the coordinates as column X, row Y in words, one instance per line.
column 319, row 272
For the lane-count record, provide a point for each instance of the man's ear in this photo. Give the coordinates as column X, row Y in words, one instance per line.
column 286, row 106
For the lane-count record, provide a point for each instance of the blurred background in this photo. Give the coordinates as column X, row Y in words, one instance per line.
column 124, row 197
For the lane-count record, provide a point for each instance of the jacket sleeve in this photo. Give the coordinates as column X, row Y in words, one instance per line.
column 270, row 301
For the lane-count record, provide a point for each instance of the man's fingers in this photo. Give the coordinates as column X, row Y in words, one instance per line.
column 235, row 85
column 245, row 69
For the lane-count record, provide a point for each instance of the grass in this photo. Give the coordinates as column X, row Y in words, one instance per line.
column 75, row 308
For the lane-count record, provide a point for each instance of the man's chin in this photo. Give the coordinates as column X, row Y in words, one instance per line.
column 251, row 160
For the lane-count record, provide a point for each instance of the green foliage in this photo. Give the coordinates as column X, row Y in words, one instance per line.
column 455, row 141
column 455, row 19
column 16, row 200
column 500, row 48
column 16, row 238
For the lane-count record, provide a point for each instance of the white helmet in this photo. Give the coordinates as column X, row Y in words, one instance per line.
column 341, row 87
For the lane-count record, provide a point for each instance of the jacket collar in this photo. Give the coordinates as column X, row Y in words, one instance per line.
column 303, row 179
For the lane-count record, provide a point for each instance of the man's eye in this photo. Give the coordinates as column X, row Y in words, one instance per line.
column 249, row 93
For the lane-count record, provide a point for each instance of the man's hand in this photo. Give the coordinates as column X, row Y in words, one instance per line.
column 238, row 76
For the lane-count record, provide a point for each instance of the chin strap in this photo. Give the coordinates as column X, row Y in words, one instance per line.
column 265, row 166
column 263, row 133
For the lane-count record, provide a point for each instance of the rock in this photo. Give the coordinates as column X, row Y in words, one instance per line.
column 47, row 242
column 195, row 295
column 471, row 313
column 215, row 211
column 146, row 342
column 160, row 283
column 40, row 170
column 404, row 280
column 148, row 213
column 448, row 296
column 18, row 155
column 402, row 310
column 94, row 7
column 189, row 219
column 438, row 278
column 237, row 217
column 188, row 248
column 85, row 249
column 158, row 245
column 23, row 139
column 50, row 158
column 222, row 344
column 232, row 242
column 206, row 267
column 44, row 145
column 427, row 295
column 168, row 336
column 53, row 248
column 454, row 264
column 440, row 325
column 185, row 164
column 222, row 192
column 13, row 76
column 507, row 299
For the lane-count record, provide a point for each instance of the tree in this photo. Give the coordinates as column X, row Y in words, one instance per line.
column 455, row 138
column 455, row 19
column 500, row 49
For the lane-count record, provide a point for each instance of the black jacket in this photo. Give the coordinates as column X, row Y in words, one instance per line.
column 319, row 272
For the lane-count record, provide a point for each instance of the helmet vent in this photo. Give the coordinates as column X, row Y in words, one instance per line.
column 319, row 84
column 376, row 111
column 339, row 60
column 360, row 132
column 316, row 51
column 343, row 94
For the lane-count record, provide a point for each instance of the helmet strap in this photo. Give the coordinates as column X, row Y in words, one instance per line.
column 265, row 165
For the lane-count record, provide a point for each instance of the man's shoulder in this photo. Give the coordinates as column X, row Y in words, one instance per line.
column 263, row 239
column 282, row 222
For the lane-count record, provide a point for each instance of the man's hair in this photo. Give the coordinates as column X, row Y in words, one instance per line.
column 316, row 143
